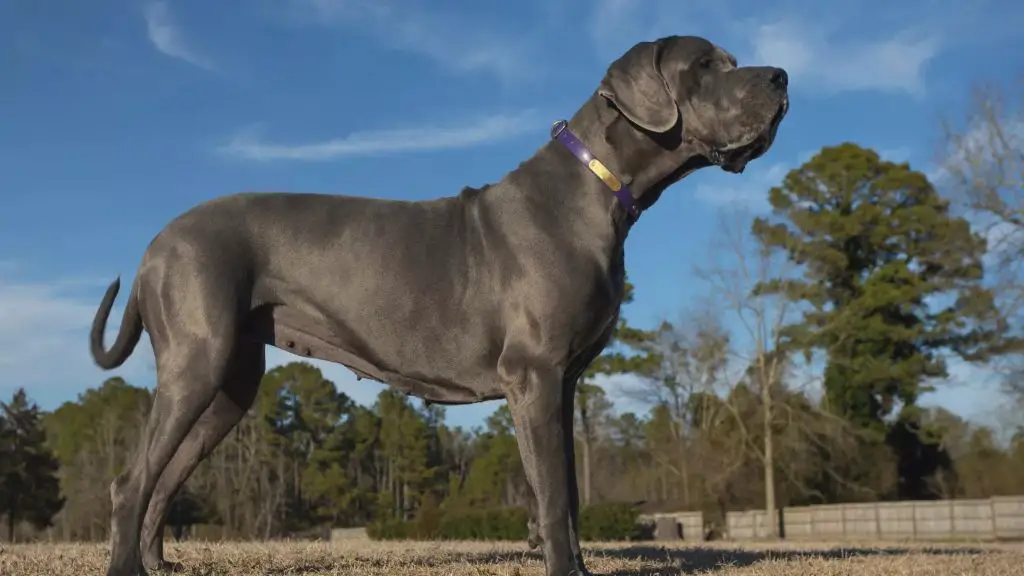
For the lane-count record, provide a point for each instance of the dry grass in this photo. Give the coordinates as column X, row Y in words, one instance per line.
column 365, row 558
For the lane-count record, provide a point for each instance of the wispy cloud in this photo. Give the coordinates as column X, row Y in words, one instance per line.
column 452, row 39
column 44, row 330
column 248, row 145
column 816, row 61
column 168, row 39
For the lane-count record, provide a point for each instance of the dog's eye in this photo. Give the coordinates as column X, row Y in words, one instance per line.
column 705, row 62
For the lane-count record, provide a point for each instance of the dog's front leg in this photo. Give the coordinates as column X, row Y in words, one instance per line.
column 536, row 402
column 534, row 539
column 572, row 484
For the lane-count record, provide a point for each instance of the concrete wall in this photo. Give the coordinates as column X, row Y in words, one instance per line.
column 990, row 519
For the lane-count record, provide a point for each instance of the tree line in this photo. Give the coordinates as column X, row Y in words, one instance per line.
column 797, row 380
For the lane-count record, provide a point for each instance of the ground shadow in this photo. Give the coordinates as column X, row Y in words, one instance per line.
column 678, row 561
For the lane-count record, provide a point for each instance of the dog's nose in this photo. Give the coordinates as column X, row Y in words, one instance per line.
column 779, row 79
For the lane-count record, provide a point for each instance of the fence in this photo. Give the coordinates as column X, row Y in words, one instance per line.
column 691, row 524
column 991, row 519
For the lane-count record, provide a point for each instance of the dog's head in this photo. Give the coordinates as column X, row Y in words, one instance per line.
column 690, row 95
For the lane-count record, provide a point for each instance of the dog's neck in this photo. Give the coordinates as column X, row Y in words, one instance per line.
column 647, row 163
column 556, row 188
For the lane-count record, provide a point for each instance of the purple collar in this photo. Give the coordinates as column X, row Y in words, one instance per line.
column 560, row 131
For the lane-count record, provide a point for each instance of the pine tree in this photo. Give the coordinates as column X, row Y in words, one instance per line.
column 892, row 284
column 31, row 489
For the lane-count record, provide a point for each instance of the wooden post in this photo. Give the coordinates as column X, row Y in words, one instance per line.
column 952, row 519
column 878, row 521
column 913, row 516
column 995, row 526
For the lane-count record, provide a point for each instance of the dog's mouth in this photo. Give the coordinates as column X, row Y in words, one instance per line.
column 736, row 159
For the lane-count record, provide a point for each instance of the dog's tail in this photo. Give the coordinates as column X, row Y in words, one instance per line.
column 128, row 335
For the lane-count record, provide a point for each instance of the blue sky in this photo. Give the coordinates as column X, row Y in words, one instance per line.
column 120, row 114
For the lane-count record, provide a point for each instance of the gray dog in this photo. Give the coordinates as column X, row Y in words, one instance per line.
column 508, row 291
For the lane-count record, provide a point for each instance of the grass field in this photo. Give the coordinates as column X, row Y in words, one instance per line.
column 366, row 558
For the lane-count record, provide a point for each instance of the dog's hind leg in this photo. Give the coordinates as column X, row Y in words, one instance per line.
column 231, row 404
column 192, row 361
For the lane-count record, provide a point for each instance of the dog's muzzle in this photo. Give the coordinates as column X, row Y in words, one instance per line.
column 735, row 160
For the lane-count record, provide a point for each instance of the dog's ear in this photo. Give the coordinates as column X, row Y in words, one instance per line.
column 635, row 86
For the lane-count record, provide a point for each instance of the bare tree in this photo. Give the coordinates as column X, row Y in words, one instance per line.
column 692, row 359
column 593, row 408
column 734, row 343
column 758, row 352
column 770, row 419
column 981, row 167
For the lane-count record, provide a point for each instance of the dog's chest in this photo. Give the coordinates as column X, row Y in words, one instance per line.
column 600, row 315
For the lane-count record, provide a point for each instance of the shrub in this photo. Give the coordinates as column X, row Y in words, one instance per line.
column 427, row 525
column 609, row 522
column 493, row 524
column 389, row 529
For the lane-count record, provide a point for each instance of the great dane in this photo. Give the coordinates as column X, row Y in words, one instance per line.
column 507, row 291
